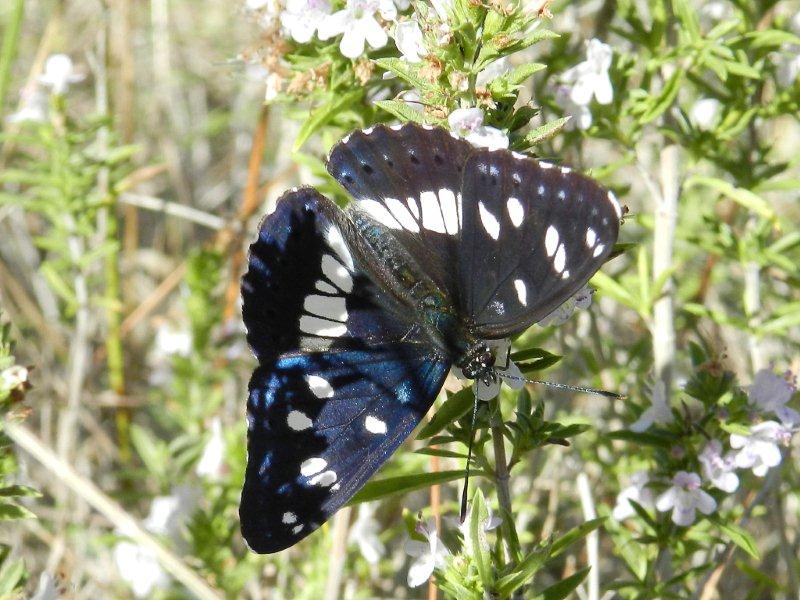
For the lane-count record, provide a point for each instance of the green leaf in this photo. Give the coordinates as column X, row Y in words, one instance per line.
column 518, row 75
column 401, row 110
column 746, row 198
column 480, row 546
column 522, row 574
column 573, row 535
column 12, row 576
column 323, row 114
column 544, row 132
column 16, row 491
column 407, row 71
column 405, row 483
column 13, row 512
column 452, row 409
column 563, row 588
column 738, row 536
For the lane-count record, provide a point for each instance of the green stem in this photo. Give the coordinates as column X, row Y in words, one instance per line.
column 501, row 477
column 8, row 53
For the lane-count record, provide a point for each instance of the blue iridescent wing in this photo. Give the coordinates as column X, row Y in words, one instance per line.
column 319, row 425
column 533, row 234
column 342, row 378
column 408, row 179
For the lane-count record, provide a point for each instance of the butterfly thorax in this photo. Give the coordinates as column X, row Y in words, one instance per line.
column 393, row 267
column 477, row 362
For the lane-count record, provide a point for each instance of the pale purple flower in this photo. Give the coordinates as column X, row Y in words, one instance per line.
column 358, row 25
column 590, row 79
column 759, row 450
column 302, row 18
column 32, row 108
column 212, row 461
column 468, row 123
column 636, row 491
column 770, row 393
column 494, row 70
column 580, row 300
column 719, row 469
column 684, row 498
column 429, row 555
column 409, row 41
column 365, row 531
column 581, row 116
column 705, row 113
column 59, row 74
column 658, row 412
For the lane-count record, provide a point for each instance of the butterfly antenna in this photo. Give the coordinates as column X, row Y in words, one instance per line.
column 464, row 493
column 564, row 386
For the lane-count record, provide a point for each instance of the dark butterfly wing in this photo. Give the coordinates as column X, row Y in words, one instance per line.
column 319, row 425
column 533, row 234
column 408, row 179
column 341, row 379
column 302, row 289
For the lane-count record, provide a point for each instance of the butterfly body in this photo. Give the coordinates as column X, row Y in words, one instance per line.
column 357, row 315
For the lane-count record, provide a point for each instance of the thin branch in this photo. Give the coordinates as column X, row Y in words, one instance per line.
column 63, row 472
column 173, row 209
column 592, row 540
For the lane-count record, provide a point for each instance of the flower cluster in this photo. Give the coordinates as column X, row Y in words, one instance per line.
column 756, row 447
column 58, row 75
column 586, row 81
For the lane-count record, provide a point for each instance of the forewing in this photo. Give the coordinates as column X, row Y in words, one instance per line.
column 302, row 290
column 533, row 234
column 407, row 179
column 319, row 425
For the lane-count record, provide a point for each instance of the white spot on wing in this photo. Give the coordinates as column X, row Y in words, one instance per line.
column 336, row 273
column 336, row 242
column 522, row 291
column 321, row 327
column 312, row 466
column 413, row 206
column 324, row 286
column 540, row 190
column 515, row 211
column 329, row 307
column 289, row 518
column 297, row 529
column 560, row 259
column 551, row 240
column 380, row 213
column 374, row 425
column 319, row 386
column 598, row 250
column 562, row 194
column 450, row 210
column 298, row 421
column 368, row 130
column 490, row 222
column 324, row 479
column 546, row 165
column 401, row 212
column 565, row 274
column 395, row 127
column 431, row 212
column 566, row 170
column 591, row 237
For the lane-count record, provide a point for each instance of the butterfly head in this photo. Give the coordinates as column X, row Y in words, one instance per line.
column 478, row 363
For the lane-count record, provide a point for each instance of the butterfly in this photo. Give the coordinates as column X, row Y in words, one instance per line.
column 356, row 316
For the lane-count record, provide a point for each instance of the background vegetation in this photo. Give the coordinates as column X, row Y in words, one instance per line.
column 136, row 158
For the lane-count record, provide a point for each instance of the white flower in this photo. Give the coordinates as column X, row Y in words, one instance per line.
column 719, row 469
column 408, row 39
column 139, row 568
column 59, row 73
column 581, row 116
column 636, row 491
column 33, row 107
column 705, row 113
column 358, row 25
column 13, row 377
column 47, row 588
column 429, row 555
column 168, row 514
column 302, row 18
column 468, row 123
column 274, row 84
column 759, row 449
column 684, row 498
column 365, row 532
column 770, row 393
column 580, row 300
column 658, row 412
column 171, row 341
column 716, row 10
column 493, row 71
column 788, row 66
column 441, row 7
column 212, row 461
column 590, row 78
